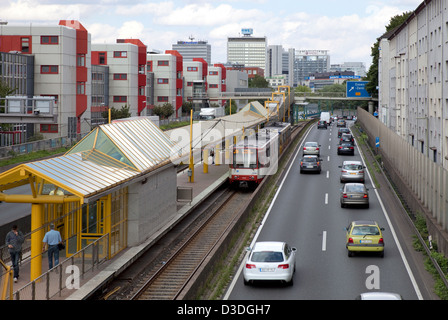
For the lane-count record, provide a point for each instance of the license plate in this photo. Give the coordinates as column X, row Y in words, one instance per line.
column 353, row 173
column 310, row 166
column 267, row 269
column 365, row 241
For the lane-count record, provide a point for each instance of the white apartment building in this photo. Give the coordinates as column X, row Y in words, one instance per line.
column 413, row 80
column 122, row 59
column 167, row 79
column 216, row 80
column 61, row 70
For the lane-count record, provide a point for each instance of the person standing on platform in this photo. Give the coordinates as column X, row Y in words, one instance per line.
column 14, row 241
column 51, row 239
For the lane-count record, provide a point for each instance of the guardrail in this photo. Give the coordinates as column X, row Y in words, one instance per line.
column 68, row 274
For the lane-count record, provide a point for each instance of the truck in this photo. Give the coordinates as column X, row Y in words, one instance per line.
column 211, row 113
column 325, row 116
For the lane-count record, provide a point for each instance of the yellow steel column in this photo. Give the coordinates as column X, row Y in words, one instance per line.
column 227, row 151
column 37, row 235
column 218, row 154
column 191, row 165
column 205, row 160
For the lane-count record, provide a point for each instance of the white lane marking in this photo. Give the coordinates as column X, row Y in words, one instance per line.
column 240, row 269
column 326, row 198
column 324, row 241
column 328, row 174
column 328, row 158
column 392, row 230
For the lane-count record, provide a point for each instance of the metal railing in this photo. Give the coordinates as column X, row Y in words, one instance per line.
column 68, row 274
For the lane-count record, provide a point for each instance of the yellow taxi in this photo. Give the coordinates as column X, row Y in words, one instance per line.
column 364, row 235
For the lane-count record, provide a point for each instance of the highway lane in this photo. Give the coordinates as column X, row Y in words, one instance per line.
column 306, row 213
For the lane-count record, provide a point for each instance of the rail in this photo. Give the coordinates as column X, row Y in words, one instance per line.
column 66, row 275
column 6, row 282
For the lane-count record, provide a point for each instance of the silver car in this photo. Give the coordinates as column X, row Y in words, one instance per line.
column 270, row 260
column 352, row 171
column 311, row 148
column 354, row 194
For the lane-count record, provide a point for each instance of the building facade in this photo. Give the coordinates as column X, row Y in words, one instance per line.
column 413, row 80
column 61, row 70
column 194, row 49
column 309, row 61
column 247, row 50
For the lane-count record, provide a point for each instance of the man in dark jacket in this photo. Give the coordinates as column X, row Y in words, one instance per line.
column 14, row 241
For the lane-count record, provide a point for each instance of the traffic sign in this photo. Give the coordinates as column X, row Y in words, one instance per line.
column 357, row 89
column 377, row 142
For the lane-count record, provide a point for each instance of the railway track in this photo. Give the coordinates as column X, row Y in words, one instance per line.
column 168, row 281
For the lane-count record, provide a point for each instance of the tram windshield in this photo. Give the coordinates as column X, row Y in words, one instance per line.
column 245, row 158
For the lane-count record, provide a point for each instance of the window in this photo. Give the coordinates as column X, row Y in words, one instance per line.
column 120, row 98
column 213, row 73
column 25, row 42
column 149, row 66
column 213, row 86
column 49, row 69
column 162, row 81
column 80, row 88
column 81, row 60
column 189, row 84
column 49, row 40
column 102, row 58
column 120, row 54
column 120, row 76
column 162, row 99
column 163, row 63
column 49, row 128
column 192, row 68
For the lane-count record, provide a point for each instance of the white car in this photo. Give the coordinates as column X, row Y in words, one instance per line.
column 311, row 148
column 270, row 260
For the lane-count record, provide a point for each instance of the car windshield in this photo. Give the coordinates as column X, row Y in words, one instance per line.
column 352, row 167
column 355, row 188
column 311, row 144
column 267, row 256
column 365, row 230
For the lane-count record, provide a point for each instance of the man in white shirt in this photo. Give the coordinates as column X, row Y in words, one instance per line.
column 51, row 239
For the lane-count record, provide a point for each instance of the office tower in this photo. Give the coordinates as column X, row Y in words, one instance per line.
column 247, row 50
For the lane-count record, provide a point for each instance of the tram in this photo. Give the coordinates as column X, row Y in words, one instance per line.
column 256, row 156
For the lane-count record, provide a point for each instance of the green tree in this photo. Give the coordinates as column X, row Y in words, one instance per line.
column 234, row 107
column 164, row 111
column 117, row 114
column 258, row 82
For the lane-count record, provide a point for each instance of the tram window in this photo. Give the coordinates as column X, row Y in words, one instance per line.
column 245, row 158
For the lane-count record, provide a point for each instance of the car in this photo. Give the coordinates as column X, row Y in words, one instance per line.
column 354, row 193
column 270, row 260
column 322, row 124
column 342, row 131
column 341, row 123
column 310, row 164
column 352, row 171
column 311, row 148
column 364, row 236
column 349, row 117
column 346, row 148
column 376, row 295
column 347, row 137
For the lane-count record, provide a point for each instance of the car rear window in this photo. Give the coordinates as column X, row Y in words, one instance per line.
column 309, row 160
column 365, row 230
column 354, row 188
column 352, row 167
column 267, row 256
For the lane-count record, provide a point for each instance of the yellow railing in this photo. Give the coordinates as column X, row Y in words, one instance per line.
column 6, row 282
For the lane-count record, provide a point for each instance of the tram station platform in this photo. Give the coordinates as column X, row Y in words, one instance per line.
column 204, row 184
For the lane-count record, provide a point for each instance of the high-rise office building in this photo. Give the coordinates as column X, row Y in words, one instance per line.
column 310, row 61
column 247, row 50
column 194, row 49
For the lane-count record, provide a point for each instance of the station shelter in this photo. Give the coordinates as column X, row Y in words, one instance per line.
column 84, row 193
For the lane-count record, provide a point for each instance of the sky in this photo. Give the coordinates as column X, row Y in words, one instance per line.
column 346, row 28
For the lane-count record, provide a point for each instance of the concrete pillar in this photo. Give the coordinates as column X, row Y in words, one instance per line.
column 370, row 107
